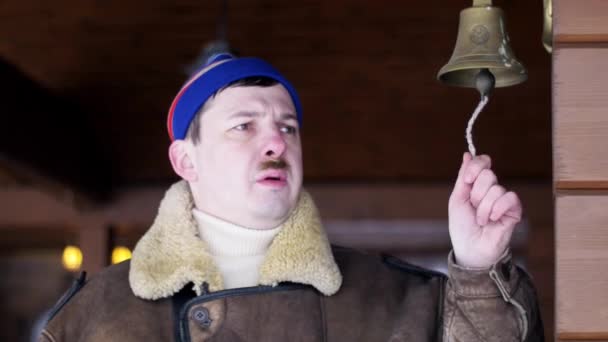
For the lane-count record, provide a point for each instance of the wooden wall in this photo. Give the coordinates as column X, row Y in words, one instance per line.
column 580, row 151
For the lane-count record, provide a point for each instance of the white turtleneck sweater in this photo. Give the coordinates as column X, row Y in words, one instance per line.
column 238, row 252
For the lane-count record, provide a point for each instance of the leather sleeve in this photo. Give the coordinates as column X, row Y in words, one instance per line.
column 46, row 336
column 495, row 304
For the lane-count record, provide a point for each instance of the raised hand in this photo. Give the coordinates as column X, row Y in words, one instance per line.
column 482, row 214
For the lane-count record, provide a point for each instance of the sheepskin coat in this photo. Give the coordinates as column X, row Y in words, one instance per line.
column 308, row 291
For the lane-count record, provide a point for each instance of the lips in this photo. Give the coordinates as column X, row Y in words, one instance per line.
column 273, row 178
column 273, row 175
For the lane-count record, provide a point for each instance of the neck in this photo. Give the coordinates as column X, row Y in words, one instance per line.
column 239, row 221
column 237, row 251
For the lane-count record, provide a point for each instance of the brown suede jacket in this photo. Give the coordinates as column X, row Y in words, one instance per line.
column 172, row 291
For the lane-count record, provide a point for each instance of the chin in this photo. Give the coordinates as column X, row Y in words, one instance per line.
column 272, row 212
column 273, row 205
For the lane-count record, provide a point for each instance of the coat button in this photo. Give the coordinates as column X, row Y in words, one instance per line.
column 201, row 316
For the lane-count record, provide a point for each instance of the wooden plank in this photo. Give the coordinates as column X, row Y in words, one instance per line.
column 137, row 206
column 402, row 235
column 30, row 207
column 566, row 39
column 580, row 123
column 581, row 257
column 576, row 336
column 580, row 21
column 581, row 185
column 581, row 45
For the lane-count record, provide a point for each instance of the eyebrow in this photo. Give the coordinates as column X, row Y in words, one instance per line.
column 289, row 116
column 244, row 114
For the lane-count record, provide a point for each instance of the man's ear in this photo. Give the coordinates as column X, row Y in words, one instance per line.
column 181, row 160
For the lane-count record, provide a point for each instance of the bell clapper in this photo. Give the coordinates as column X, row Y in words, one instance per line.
column 484, row 82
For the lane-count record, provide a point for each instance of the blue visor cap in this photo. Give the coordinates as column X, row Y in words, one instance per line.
column 197, row 91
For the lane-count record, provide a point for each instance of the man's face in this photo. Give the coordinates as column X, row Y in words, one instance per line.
column 248, row 161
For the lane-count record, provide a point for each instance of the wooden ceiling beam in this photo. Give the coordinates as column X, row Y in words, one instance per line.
column 46, row 141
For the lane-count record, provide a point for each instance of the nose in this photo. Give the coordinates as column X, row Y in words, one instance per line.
column 274, row 146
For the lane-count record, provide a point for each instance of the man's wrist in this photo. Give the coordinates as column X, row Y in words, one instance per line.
column 475, row 263
column 477, row 282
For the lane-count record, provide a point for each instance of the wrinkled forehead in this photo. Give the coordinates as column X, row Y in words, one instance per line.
column 271, row 100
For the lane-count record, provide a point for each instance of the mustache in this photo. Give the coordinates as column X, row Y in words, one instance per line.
column 278, row 164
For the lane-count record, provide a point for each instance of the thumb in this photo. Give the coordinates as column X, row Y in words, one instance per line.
column 462, row 190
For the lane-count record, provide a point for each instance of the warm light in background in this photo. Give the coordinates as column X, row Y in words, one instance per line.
column 120, row 254
column 71, row 258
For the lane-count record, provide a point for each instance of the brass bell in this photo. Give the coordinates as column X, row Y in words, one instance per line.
column 548, row 25
column 482, row 43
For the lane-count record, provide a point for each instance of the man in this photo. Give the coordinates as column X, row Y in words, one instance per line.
column 238, row 252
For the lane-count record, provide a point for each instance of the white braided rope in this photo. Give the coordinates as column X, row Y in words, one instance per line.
column 469, row 135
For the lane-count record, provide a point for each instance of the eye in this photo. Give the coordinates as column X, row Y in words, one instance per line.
column 242, row 127
column 289, row 129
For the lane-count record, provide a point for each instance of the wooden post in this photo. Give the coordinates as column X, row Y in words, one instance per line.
column 94, row 241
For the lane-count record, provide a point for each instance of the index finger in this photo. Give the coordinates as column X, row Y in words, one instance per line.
column 475, row 166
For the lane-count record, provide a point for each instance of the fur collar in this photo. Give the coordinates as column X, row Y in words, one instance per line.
column 171, row 254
